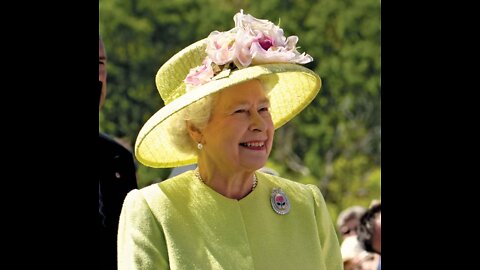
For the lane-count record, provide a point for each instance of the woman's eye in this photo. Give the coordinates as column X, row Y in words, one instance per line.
column 263, row 109
column 240, row 111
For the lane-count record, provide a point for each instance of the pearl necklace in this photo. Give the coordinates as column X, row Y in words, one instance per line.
column 197, row 174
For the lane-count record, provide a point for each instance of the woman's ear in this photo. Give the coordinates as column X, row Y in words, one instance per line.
column 194, row 132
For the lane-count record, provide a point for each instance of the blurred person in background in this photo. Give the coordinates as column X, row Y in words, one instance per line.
column 116, row 178
column 348, row 220
column 369, row 231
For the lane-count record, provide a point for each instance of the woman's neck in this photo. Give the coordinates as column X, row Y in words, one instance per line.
column 233, row 185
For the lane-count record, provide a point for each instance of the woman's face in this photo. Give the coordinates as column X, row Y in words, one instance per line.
column 239, row 134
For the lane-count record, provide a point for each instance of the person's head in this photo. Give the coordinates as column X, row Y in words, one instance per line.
column 225, row 95
column 370, row 229
column 234, row 127
column 239, row 133
column 102, row 72
column 348, row 220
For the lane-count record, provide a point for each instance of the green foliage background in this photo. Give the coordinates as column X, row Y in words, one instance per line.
column 334, row 143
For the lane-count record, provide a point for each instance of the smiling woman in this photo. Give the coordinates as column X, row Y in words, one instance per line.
column 225, row 96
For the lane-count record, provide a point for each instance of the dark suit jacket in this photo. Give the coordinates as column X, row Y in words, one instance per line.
column 117, row 178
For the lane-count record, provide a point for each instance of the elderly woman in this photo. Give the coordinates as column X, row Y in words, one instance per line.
column 225, row 95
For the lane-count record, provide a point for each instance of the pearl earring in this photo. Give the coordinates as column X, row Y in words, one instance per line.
column 199, row 146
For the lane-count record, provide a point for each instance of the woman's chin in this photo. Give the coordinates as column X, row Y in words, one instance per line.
column 254, row 164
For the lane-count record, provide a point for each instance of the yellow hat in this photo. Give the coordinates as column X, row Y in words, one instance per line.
column 254, row 49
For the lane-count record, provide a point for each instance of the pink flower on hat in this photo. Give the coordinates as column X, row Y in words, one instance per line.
column 221, row 47
column 264, row 42
column 251, row 42
column 200, row 74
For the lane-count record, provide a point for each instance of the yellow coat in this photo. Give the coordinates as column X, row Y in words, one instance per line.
column 183, row 224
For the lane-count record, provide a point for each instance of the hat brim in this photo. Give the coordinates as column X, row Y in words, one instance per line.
column 291, row 88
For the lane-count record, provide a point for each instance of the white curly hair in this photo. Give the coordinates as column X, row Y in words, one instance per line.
column 198, row 114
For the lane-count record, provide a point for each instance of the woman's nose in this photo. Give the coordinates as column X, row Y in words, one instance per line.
column 257, row 122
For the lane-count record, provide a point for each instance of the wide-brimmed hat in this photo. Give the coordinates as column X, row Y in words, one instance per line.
column 254, row 49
